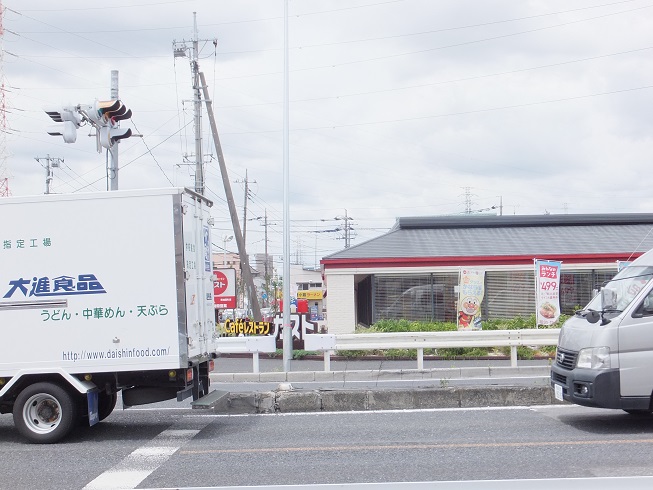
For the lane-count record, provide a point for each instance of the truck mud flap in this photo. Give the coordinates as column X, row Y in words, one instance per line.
column 211, row 400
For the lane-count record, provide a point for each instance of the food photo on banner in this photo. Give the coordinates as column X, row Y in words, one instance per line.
column 471, row 289
column 547, row 293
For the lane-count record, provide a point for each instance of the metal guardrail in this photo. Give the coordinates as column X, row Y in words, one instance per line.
column 329, row 343
column 431, row 340
column 241, row 345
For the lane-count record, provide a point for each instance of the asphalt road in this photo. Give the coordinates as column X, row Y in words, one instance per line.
column 162, row 447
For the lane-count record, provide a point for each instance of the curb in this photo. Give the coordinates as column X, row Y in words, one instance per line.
column 294, row 401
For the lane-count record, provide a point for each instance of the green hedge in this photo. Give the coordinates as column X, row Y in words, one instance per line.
column 518, row 323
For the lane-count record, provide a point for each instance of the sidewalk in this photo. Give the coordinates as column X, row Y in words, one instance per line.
column 244, row 364
column 377, row 384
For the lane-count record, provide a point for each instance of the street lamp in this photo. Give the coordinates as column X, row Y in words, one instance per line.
column 225, row 239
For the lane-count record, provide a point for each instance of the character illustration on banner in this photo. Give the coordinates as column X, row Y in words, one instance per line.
column 469, row 309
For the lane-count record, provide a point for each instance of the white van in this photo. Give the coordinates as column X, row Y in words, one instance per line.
column 605, row 351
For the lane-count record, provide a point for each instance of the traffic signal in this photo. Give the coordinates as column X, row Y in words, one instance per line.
column 106, row 116
column 71, row 120
column 108, row 112
column 109, row 135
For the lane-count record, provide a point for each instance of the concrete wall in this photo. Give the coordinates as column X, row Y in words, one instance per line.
column 341, row 312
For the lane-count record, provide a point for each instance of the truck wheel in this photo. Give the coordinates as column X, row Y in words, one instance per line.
column 44, row 413
column 106, row 404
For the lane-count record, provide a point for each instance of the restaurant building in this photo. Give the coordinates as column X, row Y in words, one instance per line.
column 413, row 270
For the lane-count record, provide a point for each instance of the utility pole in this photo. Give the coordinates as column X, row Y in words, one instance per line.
column 243, row 295
column 112, row 152
column 199, row 83
column 242, row 251
column 197, row 110
column 197, row 101
column 247, row 196
column 266, row 266
column 51, row 163
column 267, row 271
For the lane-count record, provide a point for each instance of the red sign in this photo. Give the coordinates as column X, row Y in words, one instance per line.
column 224, row 288
column 220, row 284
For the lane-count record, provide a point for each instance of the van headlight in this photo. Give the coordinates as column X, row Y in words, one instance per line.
column 594, row 358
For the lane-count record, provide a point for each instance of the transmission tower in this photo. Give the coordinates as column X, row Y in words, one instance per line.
column 4, row 173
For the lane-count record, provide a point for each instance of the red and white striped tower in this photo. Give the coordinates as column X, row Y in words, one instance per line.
column 4, row 173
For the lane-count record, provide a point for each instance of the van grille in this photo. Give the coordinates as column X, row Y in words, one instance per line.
column 565, row 358
column 559, row 378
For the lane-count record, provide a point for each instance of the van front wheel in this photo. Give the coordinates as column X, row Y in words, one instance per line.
column 639, row 413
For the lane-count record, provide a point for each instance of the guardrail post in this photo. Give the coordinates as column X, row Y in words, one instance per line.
column 327, row 360
column 513, row 356
column 420, row 358
column 255, row 362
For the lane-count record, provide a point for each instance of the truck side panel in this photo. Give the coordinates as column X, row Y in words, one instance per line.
column 90, row 283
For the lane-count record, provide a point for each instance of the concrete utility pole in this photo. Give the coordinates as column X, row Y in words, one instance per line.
column 247, row 196
column 50, row 163
column 266, row 266
column 242, row 251
column 197, row 111
column 112, row 153
column 199, row 83
column 182, row 52
column 246, row 182
column 267, row 271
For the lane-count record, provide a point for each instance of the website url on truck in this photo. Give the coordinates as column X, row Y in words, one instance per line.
column 115, row 354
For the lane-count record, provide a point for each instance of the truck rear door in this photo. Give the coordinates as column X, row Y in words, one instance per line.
column 200, row 313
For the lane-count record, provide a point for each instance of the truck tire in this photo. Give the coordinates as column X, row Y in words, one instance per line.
column 45, row 413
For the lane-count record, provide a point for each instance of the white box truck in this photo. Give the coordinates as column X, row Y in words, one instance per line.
column 605, row 351
column 102, row 293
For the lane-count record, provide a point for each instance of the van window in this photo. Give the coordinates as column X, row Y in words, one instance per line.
column 646, row 306
column 627, row 284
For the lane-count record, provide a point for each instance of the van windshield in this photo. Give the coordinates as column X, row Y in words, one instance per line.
column 626, row 284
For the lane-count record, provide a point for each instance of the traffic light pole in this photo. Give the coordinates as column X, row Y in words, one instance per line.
column 112, row 153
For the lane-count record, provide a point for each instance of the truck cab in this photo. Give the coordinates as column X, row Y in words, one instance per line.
column 605, row 351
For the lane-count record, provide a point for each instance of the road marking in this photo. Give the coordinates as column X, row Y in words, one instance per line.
column 400, row 447
column 143, row 461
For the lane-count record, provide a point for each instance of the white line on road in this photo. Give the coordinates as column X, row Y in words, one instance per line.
column 141, row 462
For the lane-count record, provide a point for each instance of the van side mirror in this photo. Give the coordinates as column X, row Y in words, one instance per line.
column 608, row 299
column 592, row 316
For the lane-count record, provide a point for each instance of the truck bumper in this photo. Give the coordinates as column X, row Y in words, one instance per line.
column 588, row 387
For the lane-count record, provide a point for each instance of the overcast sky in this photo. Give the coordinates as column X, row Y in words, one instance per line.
column 397, row 107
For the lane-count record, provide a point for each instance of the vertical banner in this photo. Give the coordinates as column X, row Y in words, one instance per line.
column 547, row 294
column 471, row 288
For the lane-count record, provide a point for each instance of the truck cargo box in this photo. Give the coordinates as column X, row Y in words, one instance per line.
column 105, row 281
column 111, row 282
